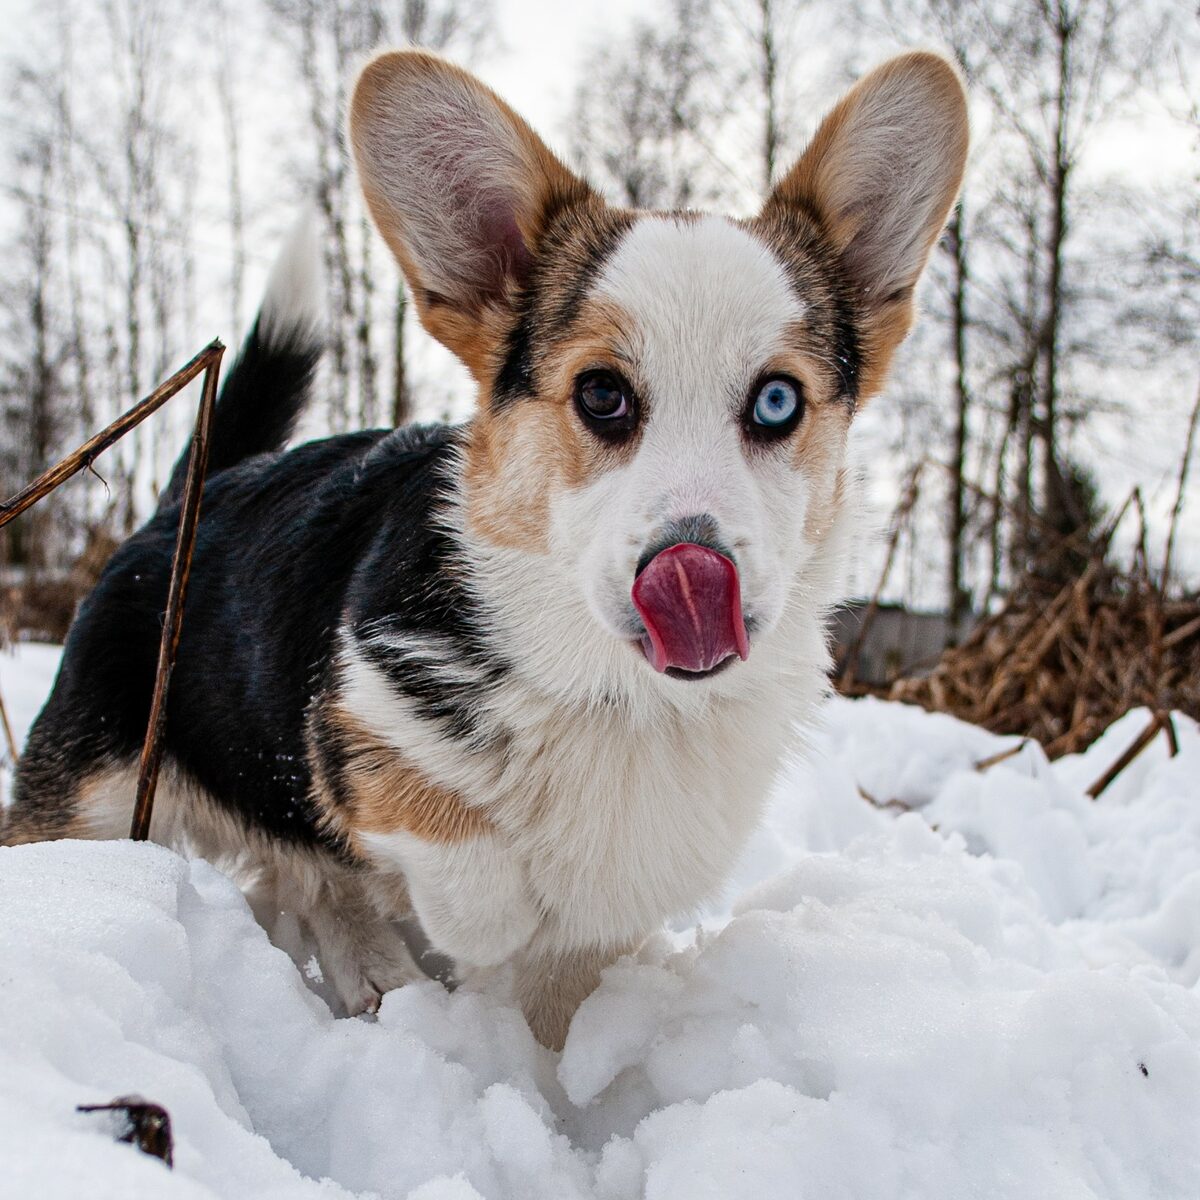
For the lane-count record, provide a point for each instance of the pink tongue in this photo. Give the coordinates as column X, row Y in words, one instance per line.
column 690, row 601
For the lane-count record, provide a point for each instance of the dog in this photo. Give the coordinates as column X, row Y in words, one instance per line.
column 526, row 679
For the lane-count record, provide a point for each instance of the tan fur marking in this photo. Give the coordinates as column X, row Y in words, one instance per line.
column 508, row 480
column 21, row 829
column 822, row 451
column 519, row 457
column 551, row 986
column 389, row 795
column 97, row 808
column 882, row 336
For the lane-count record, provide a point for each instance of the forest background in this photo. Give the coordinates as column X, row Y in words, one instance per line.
column 155, row 153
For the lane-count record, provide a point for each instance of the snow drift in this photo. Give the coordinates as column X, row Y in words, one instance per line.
column 987, row 988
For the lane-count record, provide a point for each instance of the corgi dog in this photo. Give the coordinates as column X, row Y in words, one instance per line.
column 523, row 681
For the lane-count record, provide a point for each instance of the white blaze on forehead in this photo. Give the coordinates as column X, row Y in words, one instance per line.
column 709, row 302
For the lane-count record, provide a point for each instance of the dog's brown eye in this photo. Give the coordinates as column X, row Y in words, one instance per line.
column 603, row 395
column 606, row 404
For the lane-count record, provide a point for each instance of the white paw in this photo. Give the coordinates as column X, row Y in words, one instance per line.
column 484, row 936
column 471, row 897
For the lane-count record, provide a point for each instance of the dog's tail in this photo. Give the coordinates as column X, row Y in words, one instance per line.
column 264, row 394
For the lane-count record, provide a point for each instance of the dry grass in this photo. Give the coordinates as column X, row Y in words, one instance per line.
column 1060, row 665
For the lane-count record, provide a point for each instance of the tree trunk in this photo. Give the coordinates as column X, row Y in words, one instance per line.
column 402, row 404
column 959, row 598
column 1057, row 501
column 329, row 202
column 41, row 382
column 769, row 83
column 227, row 97
column 368, row 368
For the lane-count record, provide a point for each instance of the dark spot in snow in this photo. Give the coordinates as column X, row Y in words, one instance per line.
column 1142, row 1068
column 141, row 1123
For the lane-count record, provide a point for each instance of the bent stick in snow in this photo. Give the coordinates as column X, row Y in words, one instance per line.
column 181, row 566
column 207, row 361
column 75, row 462
column 1159, row 722
column 10, row 742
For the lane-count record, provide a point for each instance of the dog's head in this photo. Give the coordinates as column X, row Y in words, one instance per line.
column 664, row 397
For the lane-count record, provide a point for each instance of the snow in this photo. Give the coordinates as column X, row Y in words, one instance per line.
column 26, row 674
column 984, row 984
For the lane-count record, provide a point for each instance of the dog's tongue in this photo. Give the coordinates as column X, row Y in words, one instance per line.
column 691, row 603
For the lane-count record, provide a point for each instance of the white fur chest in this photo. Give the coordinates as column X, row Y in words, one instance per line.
column 609, row 818
column 621, row 826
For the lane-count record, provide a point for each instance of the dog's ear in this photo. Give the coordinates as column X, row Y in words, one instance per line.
column 459, row 186
column 881, row 175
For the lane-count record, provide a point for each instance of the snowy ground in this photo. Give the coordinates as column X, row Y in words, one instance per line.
column 993, row 995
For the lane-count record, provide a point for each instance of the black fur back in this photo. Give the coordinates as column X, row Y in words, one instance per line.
column 334, row 533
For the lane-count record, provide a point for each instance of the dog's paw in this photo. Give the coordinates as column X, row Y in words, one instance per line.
column 366, row 993
column 362, row 975
column 362, row 998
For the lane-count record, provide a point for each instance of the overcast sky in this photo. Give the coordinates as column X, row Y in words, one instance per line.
column 535, row 61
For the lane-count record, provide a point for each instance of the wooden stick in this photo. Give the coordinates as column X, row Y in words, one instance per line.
column 1139, row 744
column 1002, row 756
column 94, row 447
column 181, row 565
column 1177, row 508
column 1180, row 634
column 1168, row 724
column 1056, row 617
column 9, row 740
column 1075, row 738
column 1087, row 672
column 881, row 804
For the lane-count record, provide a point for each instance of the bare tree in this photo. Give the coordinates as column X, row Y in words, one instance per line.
column 227, row 70
column 1058, row 71
column 330, row 38
column 30, row 381
column 646, row 135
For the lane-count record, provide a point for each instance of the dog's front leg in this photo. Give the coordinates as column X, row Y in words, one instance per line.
column 470, row 895
column 552, row 983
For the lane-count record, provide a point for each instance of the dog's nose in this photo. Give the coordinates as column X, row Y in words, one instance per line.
column 698, row 530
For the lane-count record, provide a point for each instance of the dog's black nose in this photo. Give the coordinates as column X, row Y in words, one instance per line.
column 700, row 530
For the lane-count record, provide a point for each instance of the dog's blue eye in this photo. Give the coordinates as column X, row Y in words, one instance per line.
column 776, row 404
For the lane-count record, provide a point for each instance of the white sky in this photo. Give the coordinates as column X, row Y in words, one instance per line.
column 539, row 52
column 534, row 62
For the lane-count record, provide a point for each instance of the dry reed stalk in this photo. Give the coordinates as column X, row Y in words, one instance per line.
column 1003, row 756
column 9, row 741
column 1143, row 739
column 87, row 454
column 207, row 361
column 1060, row 668
column 181, row 565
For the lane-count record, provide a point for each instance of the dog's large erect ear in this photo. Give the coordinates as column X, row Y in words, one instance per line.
column 459, row 186
column 881, row 175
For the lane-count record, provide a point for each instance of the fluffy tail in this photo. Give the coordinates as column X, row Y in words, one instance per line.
column 264, row 394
